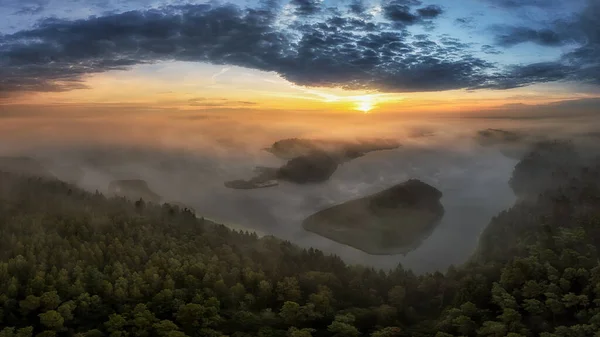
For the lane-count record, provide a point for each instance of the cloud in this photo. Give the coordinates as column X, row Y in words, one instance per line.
column 430, row 12
column 328, row 50
column 335, row 52
column 30, row 10
column 586, row 57
column 358, row 7
column 219, row 73
column 523, row 75
column 466, row 22
column 513, row 4
column 486, row 48
column 217, row 102
column 24, row 5
column 398, row 12
column 401, row 12
column 580, row 64
column 307, row 7
column 509, row 36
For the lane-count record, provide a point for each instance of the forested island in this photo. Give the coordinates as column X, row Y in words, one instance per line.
column 393, row 221
column 310, row 161
column 342, row 149
column 74, row 263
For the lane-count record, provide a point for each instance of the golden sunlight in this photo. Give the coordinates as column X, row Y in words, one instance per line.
column 364, row 103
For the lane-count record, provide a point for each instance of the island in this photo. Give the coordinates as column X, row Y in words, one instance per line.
column 310, row 161
column 393, row 221
column 133, row 189
column 342, row 150
column 315, row 167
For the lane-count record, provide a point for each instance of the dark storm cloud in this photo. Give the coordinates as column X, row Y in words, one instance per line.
column 510, row 36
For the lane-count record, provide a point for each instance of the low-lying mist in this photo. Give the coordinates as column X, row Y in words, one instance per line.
column 187, row 159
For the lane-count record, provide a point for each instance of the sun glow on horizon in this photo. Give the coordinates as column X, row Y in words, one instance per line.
column 186, row 86
column 365, row 103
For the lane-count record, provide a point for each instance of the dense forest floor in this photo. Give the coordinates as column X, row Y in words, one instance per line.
column 76, row 263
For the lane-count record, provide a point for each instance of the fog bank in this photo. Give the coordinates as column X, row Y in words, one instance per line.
column 188, row 161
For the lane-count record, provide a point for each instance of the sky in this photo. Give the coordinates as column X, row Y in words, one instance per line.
column 284, row 56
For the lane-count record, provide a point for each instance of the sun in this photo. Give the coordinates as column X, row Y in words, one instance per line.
column 364, row 104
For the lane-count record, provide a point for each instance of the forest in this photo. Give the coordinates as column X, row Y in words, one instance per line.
column 74, row 263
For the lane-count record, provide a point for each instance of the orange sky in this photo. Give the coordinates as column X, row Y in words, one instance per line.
column 191, row 86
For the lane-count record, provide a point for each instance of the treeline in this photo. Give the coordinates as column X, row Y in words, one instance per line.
column 75, row 263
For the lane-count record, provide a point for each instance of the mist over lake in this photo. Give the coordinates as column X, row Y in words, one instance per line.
column 193, row 166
